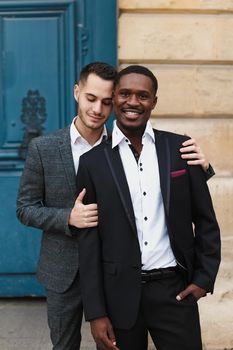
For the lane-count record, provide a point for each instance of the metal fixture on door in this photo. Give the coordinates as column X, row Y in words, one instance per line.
column 33, row 116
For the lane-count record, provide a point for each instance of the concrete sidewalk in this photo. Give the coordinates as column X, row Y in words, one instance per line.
column 23, row 326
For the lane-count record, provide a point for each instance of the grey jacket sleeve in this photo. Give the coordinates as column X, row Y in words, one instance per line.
column 32, row 207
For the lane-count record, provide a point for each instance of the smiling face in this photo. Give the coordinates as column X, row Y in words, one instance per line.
column 95, row 102
column 134, row 98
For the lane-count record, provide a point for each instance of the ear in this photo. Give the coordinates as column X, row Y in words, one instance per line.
column 113, row 96
column 76, row 92
column 155, row 101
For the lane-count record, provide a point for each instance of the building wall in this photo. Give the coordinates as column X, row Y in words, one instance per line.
column 189, row 47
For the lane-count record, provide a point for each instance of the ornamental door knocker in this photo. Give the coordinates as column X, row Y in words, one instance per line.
column 33, row 116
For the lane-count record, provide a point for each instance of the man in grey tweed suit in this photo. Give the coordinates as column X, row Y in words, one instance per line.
column 47, row 200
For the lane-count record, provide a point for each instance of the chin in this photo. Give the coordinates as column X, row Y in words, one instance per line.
column 133, row 126
column 96, row 126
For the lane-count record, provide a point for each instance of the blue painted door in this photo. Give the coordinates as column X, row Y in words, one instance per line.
column 37, row 74
column 43, row 46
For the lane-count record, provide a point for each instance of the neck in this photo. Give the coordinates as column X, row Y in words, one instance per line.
column 136, row 142
column 134, row 136
column 89, row 134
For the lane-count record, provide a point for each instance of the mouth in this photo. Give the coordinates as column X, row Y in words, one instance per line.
column 95, row 118
column 131, row 113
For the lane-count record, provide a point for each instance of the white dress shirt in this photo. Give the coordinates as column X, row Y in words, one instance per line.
column 144, row 186
column 79, row 145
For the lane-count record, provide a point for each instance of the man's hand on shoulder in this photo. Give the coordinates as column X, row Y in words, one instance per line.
column 194, row 290
column 83, row 216
column 194, row 155
column 102, row 332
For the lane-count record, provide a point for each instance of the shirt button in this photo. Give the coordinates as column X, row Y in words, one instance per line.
column 145, row 218
column 140, row 164
column 141, row 169
column 144, row 193
column 145, row 242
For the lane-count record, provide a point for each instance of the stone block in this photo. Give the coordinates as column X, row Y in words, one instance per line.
column 215, row 137
column 221, row 189
column 176, row 4
column 175, row 36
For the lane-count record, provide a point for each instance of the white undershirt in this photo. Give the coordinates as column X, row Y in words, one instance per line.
column 79, row 145
column 144, row 186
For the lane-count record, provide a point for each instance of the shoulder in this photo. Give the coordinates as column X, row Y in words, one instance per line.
column 170, row 136
column 97, row 152
column 51, row 138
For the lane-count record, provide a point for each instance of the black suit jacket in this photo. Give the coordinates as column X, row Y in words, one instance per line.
column 110, row 258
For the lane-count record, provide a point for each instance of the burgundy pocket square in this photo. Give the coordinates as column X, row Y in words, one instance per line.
column 178, row 172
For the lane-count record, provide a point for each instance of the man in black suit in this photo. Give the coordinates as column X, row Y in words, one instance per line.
column 156, row 249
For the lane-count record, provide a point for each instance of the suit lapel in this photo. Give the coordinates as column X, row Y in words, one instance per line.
column 67, row 159
column 163, row 154
column 118, row 174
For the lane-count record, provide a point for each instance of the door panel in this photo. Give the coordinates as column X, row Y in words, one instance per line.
column 19, row 244
column 37, row 54
column 24, row 66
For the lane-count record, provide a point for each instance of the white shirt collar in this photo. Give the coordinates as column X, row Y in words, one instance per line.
column 118, row 136
column 75, row 135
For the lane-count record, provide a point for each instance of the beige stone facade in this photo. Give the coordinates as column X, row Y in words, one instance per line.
column 188, row 44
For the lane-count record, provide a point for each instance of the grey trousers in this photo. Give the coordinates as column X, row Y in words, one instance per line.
column 65, row 312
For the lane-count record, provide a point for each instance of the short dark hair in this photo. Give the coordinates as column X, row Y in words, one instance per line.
column 138, row 70
column 101, row 69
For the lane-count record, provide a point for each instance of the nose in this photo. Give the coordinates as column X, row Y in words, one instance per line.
column 133, row 100
column 97, row 107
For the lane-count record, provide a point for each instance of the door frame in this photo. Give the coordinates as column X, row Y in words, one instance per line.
column 97, row 23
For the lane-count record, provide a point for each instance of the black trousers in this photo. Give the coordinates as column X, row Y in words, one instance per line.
column 65, row 312
column 172, row 324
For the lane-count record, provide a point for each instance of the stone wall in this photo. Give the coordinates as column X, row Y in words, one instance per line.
column 188, row 44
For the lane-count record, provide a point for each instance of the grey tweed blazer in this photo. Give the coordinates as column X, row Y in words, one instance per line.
column 46, row 196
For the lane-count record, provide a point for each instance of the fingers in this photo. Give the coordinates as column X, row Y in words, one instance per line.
column 84, row 216
column 182, row 295
column 91, row 207
column 111, row 334
column 193, row 149
column 91, row 217
column 193, row 154
column 189, row 142
column 103, row 334
column 87, row 210
column 198, row 157
column 192, row 289
column 85, row 207
column 104, row 343
column 86, row 222
column 196, row 162
column 81, row 196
